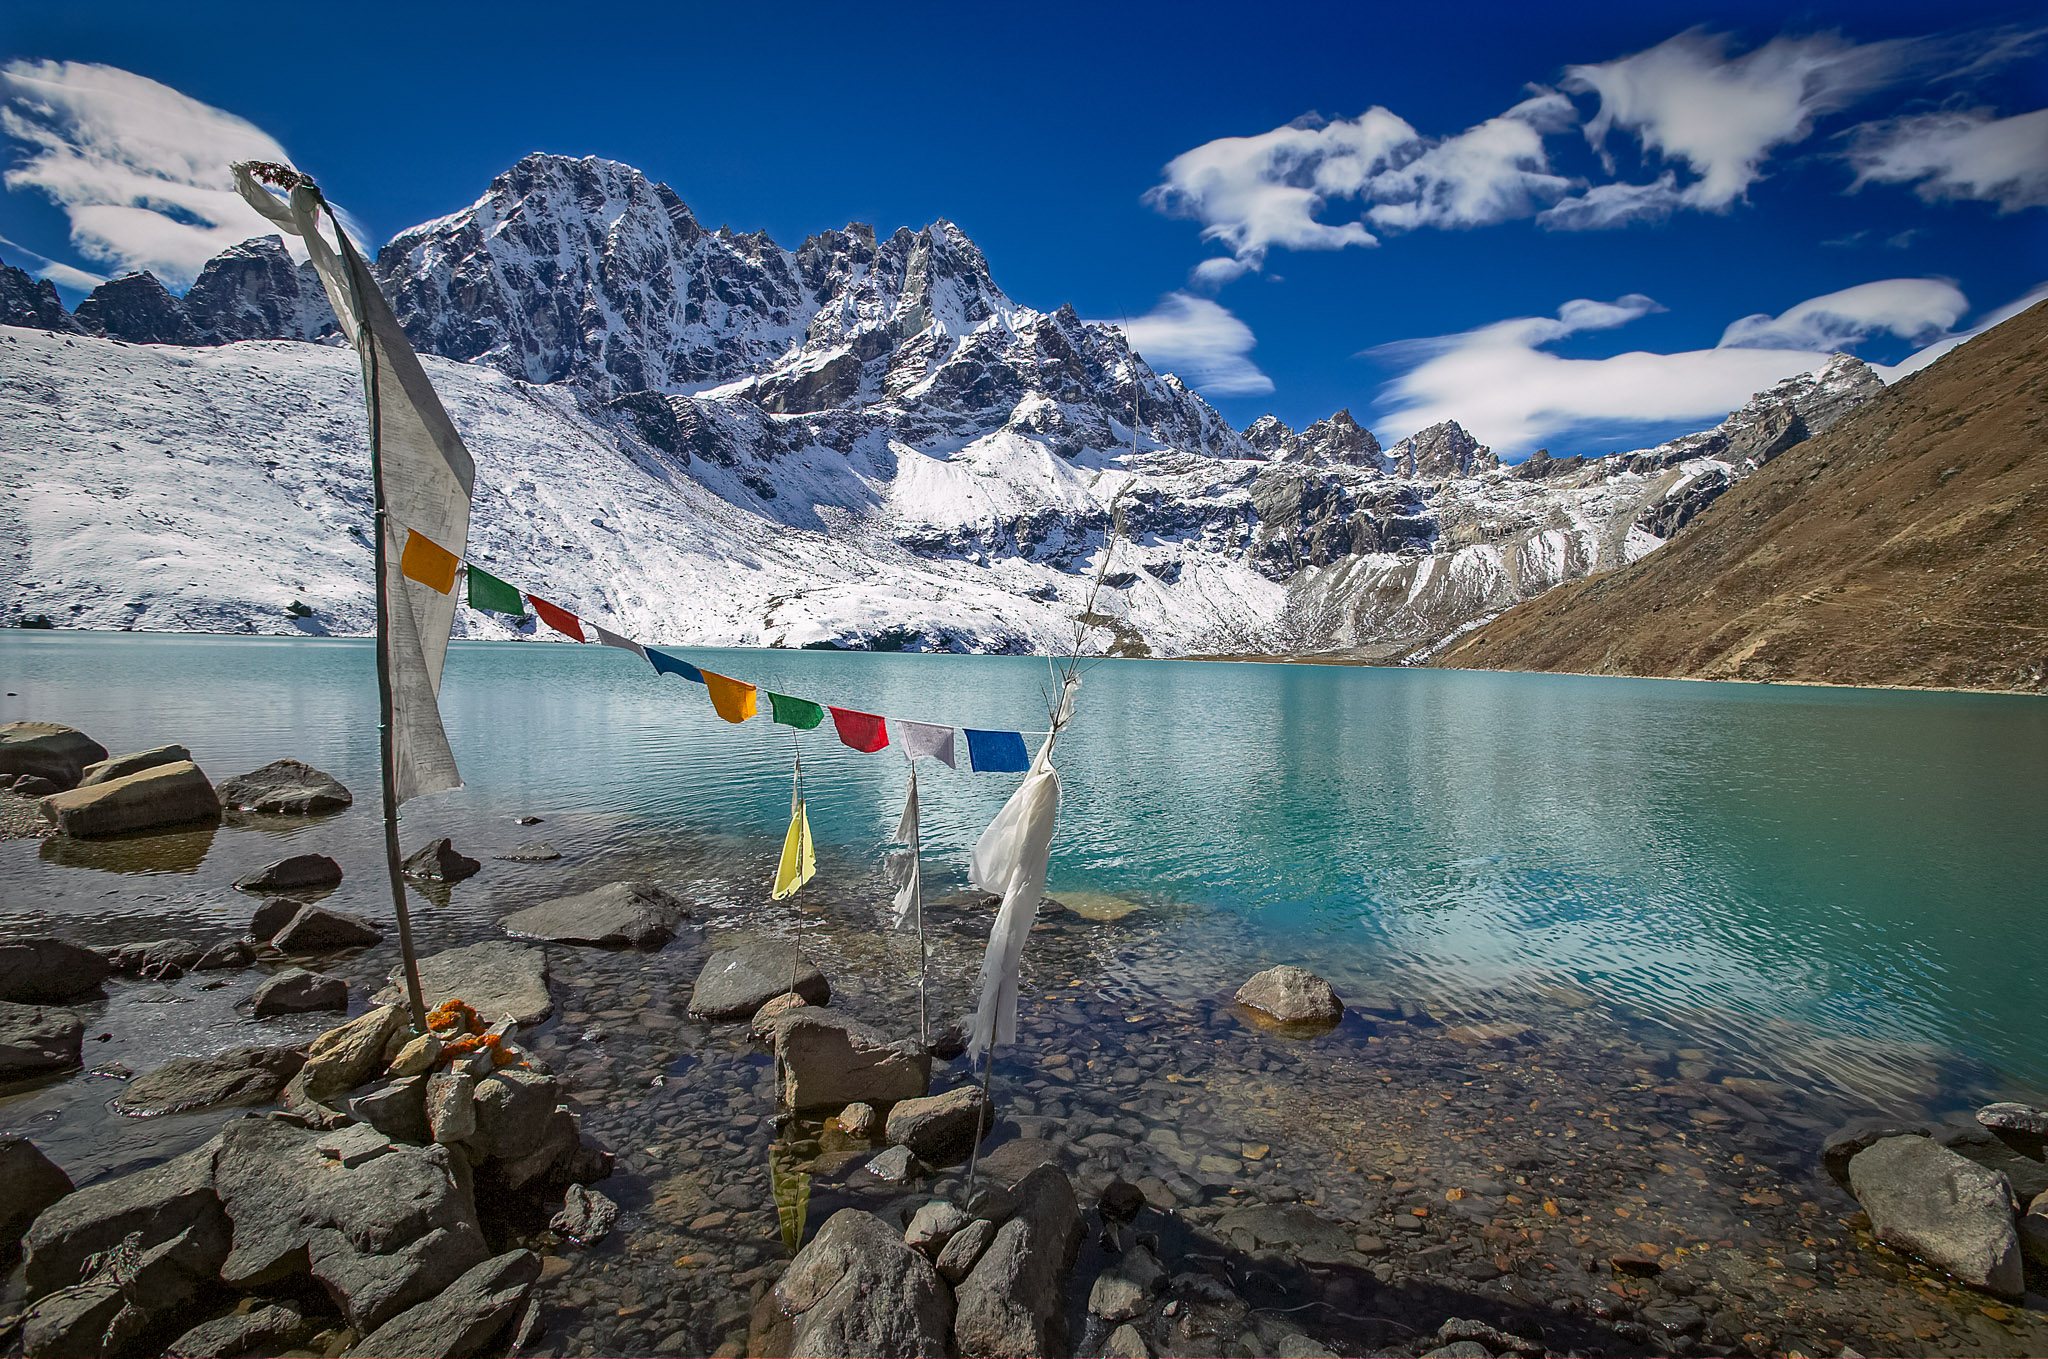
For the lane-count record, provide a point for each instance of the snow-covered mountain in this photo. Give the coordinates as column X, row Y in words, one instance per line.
column 704, row 437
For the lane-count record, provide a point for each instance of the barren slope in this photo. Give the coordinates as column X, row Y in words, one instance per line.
column 1906, row 546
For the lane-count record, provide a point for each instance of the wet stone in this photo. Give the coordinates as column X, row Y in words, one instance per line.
column 298, row 871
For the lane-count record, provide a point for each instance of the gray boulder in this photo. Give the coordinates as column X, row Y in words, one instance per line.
column 296, row 991
column 831, row 1060
column 320, row 929
column 285, row 788
column 465, row 1319
column 274, row 1326
column 616, row 915
column 1952, row 1213
column 498, row 978
column 856, row 1289
column 298, row 872
column 1841, row 1146
column 380, row 1236
column 343, row 1058
column 132, row 1289
column 36, row 1038
column 47, row 750
column 893, row 1166
column 933, row 1225
column 29, row 1183
column 157, row 960
column 397, row 1109
column 121, row 766
column 155, row 1206
column 438, row 861
column 940, row 1129
column 587, row 1217
column 48, row 971
column 250, row 1075
column 173, row 794
column 512, row 1109
column 957, row 1258
column 451, row 1106
column 1013, row 1302
column 1292, row 995
column 738, row 981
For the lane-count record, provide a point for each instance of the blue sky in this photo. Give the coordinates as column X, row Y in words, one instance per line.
column 1410, row 211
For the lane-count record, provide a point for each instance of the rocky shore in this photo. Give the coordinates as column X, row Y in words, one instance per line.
column 1174, row 1161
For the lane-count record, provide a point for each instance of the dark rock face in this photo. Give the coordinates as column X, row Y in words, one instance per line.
column 285, row 788
column 44, row 971
column 300, row 870
column 297, row 991
column 438, row 861
column 316, row 929
column 139, row 309
column 1440, row 452
column 29, row 1183
column 1338, row 441
column 1676, row 510
column 253, row 291
column 29, row 301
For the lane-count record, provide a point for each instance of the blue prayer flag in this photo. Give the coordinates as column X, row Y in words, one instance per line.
column 665, row 664
column 997, row 752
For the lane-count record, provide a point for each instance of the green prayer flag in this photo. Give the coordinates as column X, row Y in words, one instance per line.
column 796, row 712
column 486, row 591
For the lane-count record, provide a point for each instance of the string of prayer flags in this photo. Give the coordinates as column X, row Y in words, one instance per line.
column 800, row 713
column 997, row 752
column 486, row 591
column 558, row 618
column 865, row 732
column 921, row 740
column 429, row 563
column 734, row 700
column 622, row 643
column 665, row 664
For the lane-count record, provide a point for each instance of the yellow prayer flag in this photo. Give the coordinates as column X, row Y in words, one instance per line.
column 798, row 862
column 427, row 562
column 733, row 699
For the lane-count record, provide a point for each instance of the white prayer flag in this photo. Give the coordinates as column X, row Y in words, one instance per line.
column 902, row 868
column 613, row 639
column 1010, row 858
column 920, row 739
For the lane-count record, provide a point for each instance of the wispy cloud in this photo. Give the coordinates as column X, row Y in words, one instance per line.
column 1961, row 154
column 1996, row 316
column 1917, row 310
column 1202, row 342
column 59, row 273
column 140, row 169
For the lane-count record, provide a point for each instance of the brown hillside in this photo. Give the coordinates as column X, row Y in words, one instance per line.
column 1908, row 545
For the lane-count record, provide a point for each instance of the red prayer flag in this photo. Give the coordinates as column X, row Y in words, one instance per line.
column 558, row 618
column 863, row 731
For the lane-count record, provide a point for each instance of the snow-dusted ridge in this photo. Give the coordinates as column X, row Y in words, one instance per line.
column 700, row 437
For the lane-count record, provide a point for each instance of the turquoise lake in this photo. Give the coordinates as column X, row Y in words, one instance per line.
column 1846, row 885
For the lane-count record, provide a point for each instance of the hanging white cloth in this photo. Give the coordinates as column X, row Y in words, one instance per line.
column 901, row 865
column 921, row 739
column 425, row 475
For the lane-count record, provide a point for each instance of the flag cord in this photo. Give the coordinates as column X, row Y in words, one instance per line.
column 409, row 959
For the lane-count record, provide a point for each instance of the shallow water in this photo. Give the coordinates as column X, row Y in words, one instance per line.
column 1837, row 885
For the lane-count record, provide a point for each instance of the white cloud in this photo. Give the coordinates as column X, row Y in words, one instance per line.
column 1961, row 154
column 63, row 275
column 1500, row 383
column 140, row 169
column 1201, row 341
column 1254, row 193
column 1913, row 309
column 1915, row 362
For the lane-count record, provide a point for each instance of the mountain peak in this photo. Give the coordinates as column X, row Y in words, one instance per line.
column 1442, row 451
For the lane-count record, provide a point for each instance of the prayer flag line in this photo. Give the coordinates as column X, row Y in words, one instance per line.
column 434, row 566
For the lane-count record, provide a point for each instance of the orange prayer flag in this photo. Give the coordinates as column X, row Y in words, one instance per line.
column 427, row 562
column 734, row 700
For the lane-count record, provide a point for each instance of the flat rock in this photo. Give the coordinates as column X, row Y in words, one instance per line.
column 249, row 1075
column 738, row 981
column 498, row 978
column 616, row 915
column 832, row 1060
column 1013, row 1302
column 121, row 766
column 322, row 929
column 940, row 1129
column 471, row 1313
column 857, row 1289
column 438, row 861
column 1951, row 1212
column 271, row 1327
column 285, row 788
column 2020, row 1118
column 587, row 1217
column 1013, row 1161
column 894, row 1166
column 1290, row 1229
column 48, row 971
column 37, row 1038
column 296, row 991
column 1291, row 995
column 380, row 1236
column 533, row 852
column 29, row 1183
column 47, row 750
column 155, row 1206
column 167, row 795
column 300, row 871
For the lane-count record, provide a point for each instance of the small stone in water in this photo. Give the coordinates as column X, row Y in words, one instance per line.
column 894, row 1166
column 857, row 1120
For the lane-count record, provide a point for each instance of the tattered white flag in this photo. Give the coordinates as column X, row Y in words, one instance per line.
column 907, row 910
column 1010, row 858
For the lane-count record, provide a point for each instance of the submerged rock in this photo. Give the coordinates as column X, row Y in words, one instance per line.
column 829, row 1060
column 1292, row 995
column 321, row 929
column 285, row 788
column 298, row 871
column 1291, row 1229
column 498, row 979
column 250, row 1075
column 739, row 980
column 47, row 750
column 858, row 1289
column 229, row 953
column 1952, row 1213
column 438, row 861
column 29, row 1183
column 35, row 1039
column 617, row 915
column 297, row 991
column 48, row 971
column 534, row 852
column 587, row 1216
column 121, row 766
column 166, row 795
